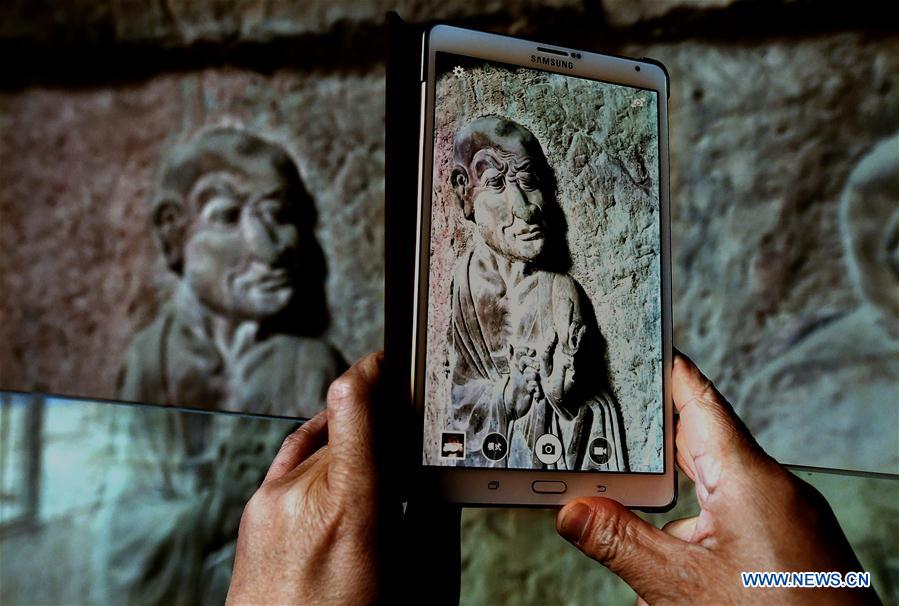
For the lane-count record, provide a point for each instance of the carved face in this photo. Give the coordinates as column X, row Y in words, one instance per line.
column 242, row 243
column 508, row 203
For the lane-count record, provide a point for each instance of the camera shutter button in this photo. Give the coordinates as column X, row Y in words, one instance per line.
column 548, row 449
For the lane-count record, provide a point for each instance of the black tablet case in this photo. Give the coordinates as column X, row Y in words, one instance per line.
column 403, row 108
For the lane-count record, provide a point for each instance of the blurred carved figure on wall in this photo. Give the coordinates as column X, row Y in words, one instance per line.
column 834, row 394
column 524, row 348
column 235, row 224
column 241, row 333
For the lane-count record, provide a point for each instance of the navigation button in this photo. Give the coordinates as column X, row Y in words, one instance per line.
column 549, row 487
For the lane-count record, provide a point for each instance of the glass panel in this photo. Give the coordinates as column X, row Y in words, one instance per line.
column 145, row 485
column 155, row 493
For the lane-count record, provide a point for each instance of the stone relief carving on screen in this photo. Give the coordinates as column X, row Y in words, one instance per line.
column 521, row 329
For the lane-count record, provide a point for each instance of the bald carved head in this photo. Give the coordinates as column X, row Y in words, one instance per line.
column 235, row 222
column 503, row 184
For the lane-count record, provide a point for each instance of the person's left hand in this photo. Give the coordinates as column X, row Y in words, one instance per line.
column 311, row 532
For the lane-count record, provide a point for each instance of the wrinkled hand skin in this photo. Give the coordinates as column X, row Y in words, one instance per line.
column 310, row 533
column 755, row 516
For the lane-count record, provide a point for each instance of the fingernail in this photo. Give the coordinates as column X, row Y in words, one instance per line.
column 574, row 522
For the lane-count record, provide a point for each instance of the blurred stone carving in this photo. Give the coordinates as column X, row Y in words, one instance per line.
column 831, row 399
column 235, row 224
column 520, row 329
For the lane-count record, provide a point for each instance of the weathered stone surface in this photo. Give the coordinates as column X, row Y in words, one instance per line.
column 80, row 171
column 763, row 135
column 763, row 138
column 628, row 12
column 182, row 22
column 846, row 368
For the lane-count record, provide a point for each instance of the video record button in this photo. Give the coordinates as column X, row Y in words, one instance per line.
column 549, row 487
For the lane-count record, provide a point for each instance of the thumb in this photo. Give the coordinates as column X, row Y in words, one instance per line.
column 639, row 553
column 351, row 411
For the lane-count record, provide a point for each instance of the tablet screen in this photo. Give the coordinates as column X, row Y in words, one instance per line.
column 544, row 326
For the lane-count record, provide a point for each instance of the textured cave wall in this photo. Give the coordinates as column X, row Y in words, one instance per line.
column 603, row 150
column 763, row 137
column 770, row 111
column 77, row 246
column 773, row 104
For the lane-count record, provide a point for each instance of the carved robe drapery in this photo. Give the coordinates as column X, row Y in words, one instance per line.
column 490, row 313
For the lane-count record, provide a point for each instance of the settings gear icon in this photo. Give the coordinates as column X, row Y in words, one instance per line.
column 459, row 71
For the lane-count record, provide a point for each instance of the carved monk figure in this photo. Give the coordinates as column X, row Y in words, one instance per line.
column 524, row 348
column 235, row 225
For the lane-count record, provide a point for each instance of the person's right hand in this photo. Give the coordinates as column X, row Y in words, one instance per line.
column 755, row 516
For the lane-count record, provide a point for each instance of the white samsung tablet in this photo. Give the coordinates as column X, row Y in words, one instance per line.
column 542, row 340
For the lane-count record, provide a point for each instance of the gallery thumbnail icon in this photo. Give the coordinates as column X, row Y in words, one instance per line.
column 452, row 445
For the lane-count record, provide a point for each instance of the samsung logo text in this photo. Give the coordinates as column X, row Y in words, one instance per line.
column 552, row 62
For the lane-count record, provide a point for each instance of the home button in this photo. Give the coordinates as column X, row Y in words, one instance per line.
column 544, row 487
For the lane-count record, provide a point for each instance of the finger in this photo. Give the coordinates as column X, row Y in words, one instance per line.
column 682, row 529
column 351, row 410
column 707, row 424
column 691, row 387
column 297, row 446
column 631, row 548
column 578, row 335
column 529, row 363
column 520, row 364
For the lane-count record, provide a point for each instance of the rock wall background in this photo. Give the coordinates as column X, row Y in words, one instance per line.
column 80, row 169
column 773, row 103
column 603, row 152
